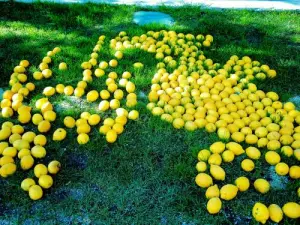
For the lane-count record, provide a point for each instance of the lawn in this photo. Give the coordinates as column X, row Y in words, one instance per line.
column 147, row 176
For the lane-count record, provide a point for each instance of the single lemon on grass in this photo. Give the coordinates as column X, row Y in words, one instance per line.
column 133, row 115
column 214, row 205
column 83, row 138
column 262, row 185
column 294, row 172
column 45, row 181
column 203, row 155
column 242, row 183
column 203, row 180
column 111, row 136
column 38, row 152
column 35, row 192
column 275, row 213
column 44, row 126
column 26, row 162
column 201, row 166
column 59, row 134
column 40, row 140
column 212, row 191
column 282, row 169
column 260, row 213
column 217, row 172
column 228, row 192
column 27, row 183
column 63, row 66
column 228, row 156
column 247, row 165
column 217, row 147
column 104, row 94
column 272, row 157
column 291, row 210
column 8, row 169
column 54, row 167
column 83, row 128
column 69, row 122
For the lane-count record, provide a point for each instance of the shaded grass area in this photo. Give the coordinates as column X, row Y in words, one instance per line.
column 147, row 176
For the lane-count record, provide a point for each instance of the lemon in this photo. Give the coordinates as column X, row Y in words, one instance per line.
column 260, row 213
column 223, row 133
column 217, row 172
column 203, row 180
column 28, row 136
column 130, row 87
column 26, row 162
column 121, row 120
column 23, row 152
column 47, row 73
column 203, row 155
column 38, row 152
column 14, row 137
column 54, row 167
column 3, row 145
column 291, row 210
column 119, row 128
column 275, row 213
column 83, row 128
column 45, row 181
column 37, row 118
column 35, row 192
column 228, row 156
column 272, row 157
column 111, row 136
column 287, row 151
column 104, row 105
column 236, row 148
column 247, row 165
column 215, row 159
column 94, row 119
column 78, row 92
column 5, row 160
column 27, row 183
column 10, row 151
column 217, row 147
column 214, row 205
column 40, row 140
column 253, row 153
column 201, row 166
column 83, row 138
column 133, row 115
column 294, row 172
column 261, row 185
column 69, row 122
column 62, row 66
column 49, row 91
column 8, row 169
column 104, row 129
column 282, row 169
column 50, row 115
column 59, row 134
column 44, row 126
column 68, row 90
column 242, row 183
column 92, row 96
column 297, row 154
column 212, row 191
column 228, row 192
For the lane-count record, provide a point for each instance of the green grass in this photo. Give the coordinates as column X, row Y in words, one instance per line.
column 147, row 176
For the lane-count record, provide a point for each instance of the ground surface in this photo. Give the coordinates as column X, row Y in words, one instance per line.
column 147, row 176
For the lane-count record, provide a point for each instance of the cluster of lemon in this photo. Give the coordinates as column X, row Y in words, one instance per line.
column 26, row 147
column 110, row 98
column 191, row 91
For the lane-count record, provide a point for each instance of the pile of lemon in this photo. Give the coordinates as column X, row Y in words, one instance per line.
column 191, row 91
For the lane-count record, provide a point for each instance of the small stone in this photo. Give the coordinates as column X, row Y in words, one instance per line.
column 143, row 18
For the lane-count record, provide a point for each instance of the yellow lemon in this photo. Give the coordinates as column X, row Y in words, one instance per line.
column 49, row 91
column 28, row 136
column 37, row 118
column 92, row 96
column 104, row 129
column 38, row 152
column 228, row 156
column 291, row 210
column 203, row 180
column 50, row 115
column 40, row 140
column 287, row 151
column 253, row 153
column 215, row 159
column 261, row 185
column 217, row 172
column 260, row 213
column 94, row 119
column 228, row 192
column 236, row 148
column 8, row 169
column 26, row 162
column 111, row 136
column 104, row 105
column 282, row 169
column 83, row 138
column 10, row 151
column 44, row 126
column 133, row 115
column 35, row 192
column 23, row 152
column 214, row 205
column 63, row 66
column 242, row 183
column 59, row 134
column 276, row 213
column 54, row 167
column 204, row 155
column 212, row 191
column 294, row 172
column 201, row 166
column 272, row 157
column 69, row 122
column 247, row 165
column 45, row 181
column 27, row 183
column 217, row 147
